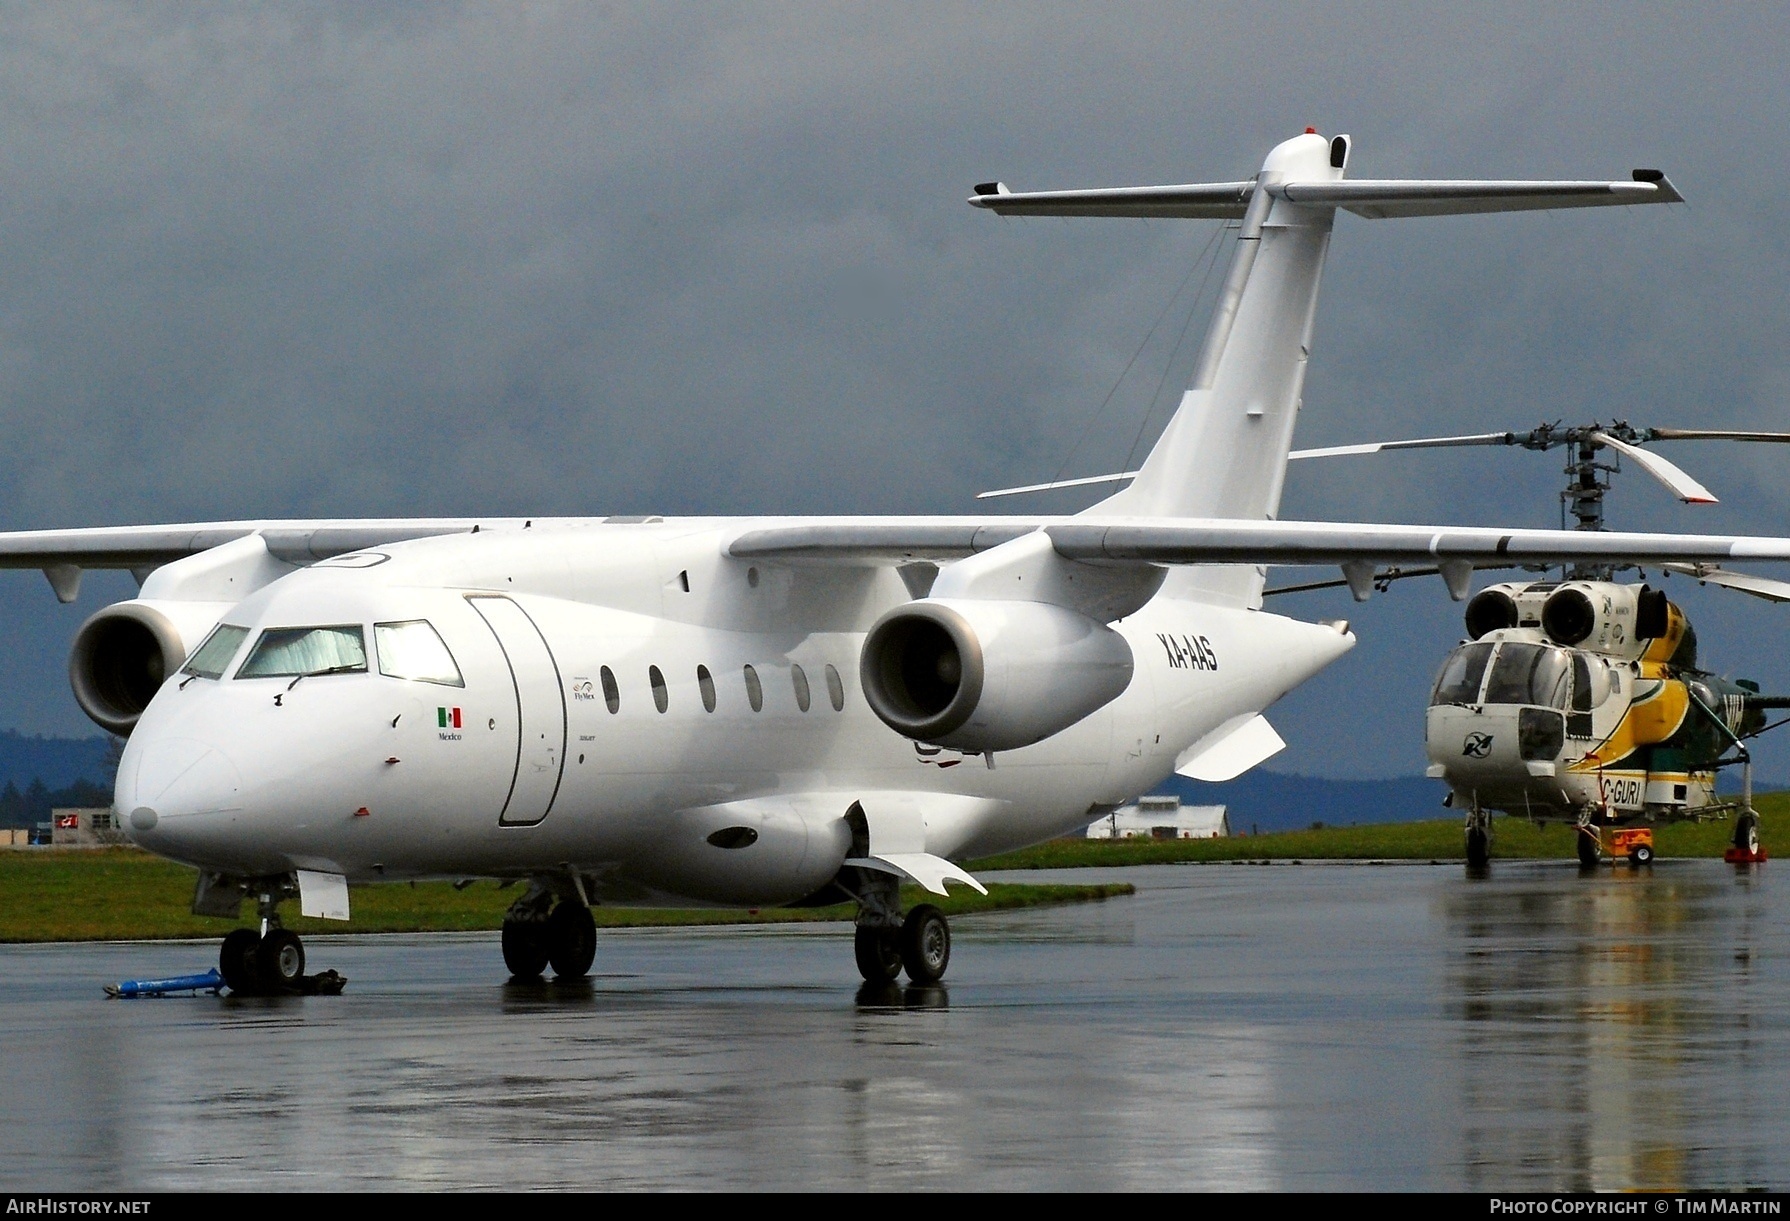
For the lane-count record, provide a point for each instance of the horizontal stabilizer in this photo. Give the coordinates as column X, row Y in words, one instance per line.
column 1375, row 199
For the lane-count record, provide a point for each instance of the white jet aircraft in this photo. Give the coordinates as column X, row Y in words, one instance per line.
column 762, row 711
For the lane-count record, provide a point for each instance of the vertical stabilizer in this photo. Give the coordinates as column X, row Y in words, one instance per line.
column 1224, row 452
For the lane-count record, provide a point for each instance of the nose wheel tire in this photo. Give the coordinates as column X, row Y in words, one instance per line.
column 925, row 944
column 571, row 940
column 236, row 961
column 525, row 948
column 1479, row 848
column 878, row 952
column 280, row 960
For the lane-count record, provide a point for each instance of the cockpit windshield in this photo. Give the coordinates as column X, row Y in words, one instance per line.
column 1461, row 675
column 212, row 658
column 295, row 652
column 1530, row 674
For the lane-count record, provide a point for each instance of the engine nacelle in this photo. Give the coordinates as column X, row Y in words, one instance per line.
column 125, row 652
column 982, row 676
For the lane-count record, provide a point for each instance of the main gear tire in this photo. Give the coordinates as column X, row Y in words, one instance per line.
column 925, row 944
column 1746, row 833
column 525, row 948
column 571, row 940
column 878, row 951
column 1590, row 849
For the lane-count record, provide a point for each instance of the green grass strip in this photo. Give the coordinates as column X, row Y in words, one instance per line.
column 1442, row 839
column 111, row 894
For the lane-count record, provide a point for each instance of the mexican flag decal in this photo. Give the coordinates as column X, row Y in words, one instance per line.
column 447, row 718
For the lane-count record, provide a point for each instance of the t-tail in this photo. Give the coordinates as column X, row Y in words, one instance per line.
column 1224, row 452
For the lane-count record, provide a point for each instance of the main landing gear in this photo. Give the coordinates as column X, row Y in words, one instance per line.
column 1746, row 849
column 538, row 932
column 887, row 943
column 1589, row 843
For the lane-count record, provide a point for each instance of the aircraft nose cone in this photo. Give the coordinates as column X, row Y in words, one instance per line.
column 169, row 786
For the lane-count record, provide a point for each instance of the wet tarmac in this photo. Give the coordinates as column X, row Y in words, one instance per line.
column 1230, row 1027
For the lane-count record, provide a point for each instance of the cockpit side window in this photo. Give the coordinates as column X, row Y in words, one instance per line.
column 1530, row 674
column 212, row 658
column 1461, row 675
column 414, row 650
column 294, row 652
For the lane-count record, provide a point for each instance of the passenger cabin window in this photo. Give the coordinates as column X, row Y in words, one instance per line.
column 212, row 658
column 705, row 682
column 1462, row 675
column 661, row 698
column 414, row 650
column 296, row 652
column 799, row 679
column 835, row 689
column 1529, row 674
column 612, row 694
column 754, row 691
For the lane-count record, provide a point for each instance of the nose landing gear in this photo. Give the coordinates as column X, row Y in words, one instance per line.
column 271, row 961
column 1479, row 837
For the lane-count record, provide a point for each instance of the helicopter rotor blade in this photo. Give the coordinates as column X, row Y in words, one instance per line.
column 1744, row 582
column 1680, row 484
column 1713, row 434
column 1374, row 447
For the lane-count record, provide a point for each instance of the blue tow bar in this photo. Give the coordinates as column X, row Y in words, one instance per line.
column 212, row 981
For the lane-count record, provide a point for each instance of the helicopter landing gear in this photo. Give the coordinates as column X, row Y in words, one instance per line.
column 884, row 943
column 1590, row 845
column 1747, row 849
column 1479, row 837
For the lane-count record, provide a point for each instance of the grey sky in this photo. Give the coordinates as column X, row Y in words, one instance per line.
column 310, row 259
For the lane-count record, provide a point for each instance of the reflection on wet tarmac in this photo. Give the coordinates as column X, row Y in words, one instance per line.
column 1635, row 998
column 1292, row 1027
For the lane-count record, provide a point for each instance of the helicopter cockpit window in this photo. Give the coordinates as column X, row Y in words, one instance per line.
column 415, row 650
column 296, row 652
column 1530, row 674
column 1461, row 675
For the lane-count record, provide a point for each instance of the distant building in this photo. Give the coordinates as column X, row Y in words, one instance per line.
column 86, row 828
column 1162, row 818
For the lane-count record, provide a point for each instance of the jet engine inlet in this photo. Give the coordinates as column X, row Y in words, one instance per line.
column 982, row 676
column 121, row 657
column 922, row 671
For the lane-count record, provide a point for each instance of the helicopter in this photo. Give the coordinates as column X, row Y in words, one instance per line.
column 1582, row 699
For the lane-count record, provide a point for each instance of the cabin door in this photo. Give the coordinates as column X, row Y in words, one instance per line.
column 540, row 711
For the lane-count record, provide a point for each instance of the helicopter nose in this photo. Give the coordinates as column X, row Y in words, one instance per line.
column 173, row 791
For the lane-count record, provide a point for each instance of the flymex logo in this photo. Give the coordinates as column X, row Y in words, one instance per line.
column 1188, row 652
column 1477, row 745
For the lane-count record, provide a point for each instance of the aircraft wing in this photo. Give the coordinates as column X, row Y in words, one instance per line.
column 300, row 542
column 1194, row 541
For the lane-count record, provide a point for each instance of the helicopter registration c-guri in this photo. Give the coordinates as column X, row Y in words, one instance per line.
column 1582, row 701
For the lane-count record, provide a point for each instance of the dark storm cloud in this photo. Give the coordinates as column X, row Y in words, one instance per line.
column 390, row 259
